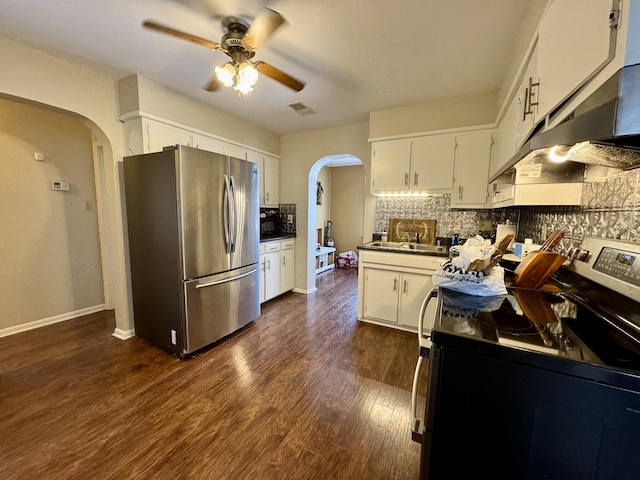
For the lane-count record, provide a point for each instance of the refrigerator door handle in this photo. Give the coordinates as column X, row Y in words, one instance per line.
column 225, row 215
column 226, row 280
column 233, row 213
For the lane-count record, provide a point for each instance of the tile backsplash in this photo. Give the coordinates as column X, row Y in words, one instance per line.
column 610, row 208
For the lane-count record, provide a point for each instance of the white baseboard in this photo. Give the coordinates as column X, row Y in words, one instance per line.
column 305, row 292
column 5, row 332
column 123, row 334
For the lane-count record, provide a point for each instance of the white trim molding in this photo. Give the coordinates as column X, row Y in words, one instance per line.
column 123, row 334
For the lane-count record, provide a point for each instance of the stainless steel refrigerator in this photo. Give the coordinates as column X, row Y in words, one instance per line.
column 193, row 225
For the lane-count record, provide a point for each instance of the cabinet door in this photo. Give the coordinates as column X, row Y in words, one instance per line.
column 272, row 275
column 390, row 166
column 573, row 42
column 286, row 270
column 218, row 146
column 470, row 187
column 271, row 169
column 159, row 135
column 504, row 138
column 413, row 289
column 432, row 162
column 263, row 278
column 381, row 294
column 527, row 94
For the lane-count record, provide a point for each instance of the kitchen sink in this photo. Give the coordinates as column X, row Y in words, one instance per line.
column 404, row 246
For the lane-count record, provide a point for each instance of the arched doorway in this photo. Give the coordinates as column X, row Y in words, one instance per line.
column 61, row 241
column 340, row 160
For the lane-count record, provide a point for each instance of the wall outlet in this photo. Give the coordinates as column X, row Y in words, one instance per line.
column 289, row 218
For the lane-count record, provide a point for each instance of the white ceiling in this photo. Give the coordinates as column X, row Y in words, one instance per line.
column 356, row 56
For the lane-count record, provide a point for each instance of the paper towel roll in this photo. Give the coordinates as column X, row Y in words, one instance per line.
column 504, row 230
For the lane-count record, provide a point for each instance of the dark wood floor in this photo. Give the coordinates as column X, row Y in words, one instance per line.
column 305, row 392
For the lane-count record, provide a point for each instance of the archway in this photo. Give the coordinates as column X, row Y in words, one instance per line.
column 340, row 160
column 77, row 242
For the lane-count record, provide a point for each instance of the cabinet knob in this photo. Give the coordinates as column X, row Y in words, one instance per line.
column 415, row 179
column 404, row 287
column 460, row 190
column 395, row 284
column 406, row 179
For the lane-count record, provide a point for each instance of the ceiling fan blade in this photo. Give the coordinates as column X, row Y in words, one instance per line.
column 279, row 76
column 213, row 85
column 262, row 28
column 177, row 33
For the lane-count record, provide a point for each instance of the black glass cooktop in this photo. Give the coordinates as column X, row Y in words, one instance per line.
column 556, row 323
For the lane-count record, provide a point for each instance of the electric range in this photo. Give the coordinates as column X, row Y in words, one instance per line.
column 538, row 383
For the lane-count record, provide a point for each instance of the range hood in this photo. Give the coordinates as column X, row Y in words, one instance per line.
column 603, row 130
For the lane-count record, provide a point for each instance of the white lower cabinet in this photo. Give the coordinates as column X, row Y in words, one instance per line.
column 276, row 268
column 287, row 259
column 392, row 287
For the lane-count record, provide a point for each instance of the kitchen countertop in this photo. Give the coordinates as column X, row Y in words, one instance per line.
column 405, row 251
column 279, row 236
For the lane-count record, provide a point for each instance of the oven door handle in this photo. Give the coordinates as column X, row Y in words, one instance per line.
column 425, row 342
column 417, row 430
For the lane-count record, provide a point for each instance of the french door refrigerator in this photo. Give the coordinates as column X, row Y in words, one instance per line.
column 193, row 225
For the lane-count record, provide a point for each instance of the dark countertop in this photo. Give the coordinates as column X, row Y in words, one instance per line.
column 279, row 236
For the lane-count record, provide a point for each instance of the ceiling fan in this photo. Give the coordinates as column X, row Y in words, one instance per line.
column 240, row 42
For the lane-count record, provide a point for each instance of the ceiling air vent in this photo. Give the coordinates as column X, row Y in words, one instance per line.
column 301, row 109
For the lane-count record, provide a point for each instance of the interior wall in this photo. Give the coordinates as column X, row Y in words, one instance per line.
column 299, row 153
column 50, row 254
column 441, row 114
column 34, row 76
column 323, row 212
column 348, row 193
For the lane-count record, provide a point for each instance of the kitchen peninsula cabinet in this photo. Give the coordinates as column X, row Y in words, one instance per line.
column 392, row 286
column 269, row 177
column 418, row 164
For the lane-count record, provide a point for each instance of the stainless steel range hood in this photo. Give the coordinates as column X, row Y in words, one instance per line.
column 604, row 129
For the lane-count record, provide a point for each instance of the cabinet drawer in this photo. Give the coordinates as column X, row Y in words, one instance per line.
column 287, row 244
column 272, row 247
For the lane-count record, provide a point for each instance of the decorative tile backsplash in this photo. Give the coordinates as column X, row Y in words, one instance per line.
column 287, row 210
column 610, row 209
column 449, row 221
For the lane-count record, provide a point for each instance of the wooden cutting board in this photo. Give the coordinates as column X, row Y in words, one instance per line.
column 537, row 268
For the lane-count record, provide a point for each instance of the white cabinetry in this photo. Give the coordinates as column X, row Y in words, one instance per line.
column 287, row 259
column 527, row 100
column 219, row 146
column 473, row 154
column 157, row 135
column 269, row 177
column 277, row 259
column 392, row 286
column 573, row 42
column 417, row 164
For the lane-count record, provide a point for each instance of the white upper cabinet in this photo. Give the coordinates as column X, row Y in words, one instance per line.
column 432, row 162
column 269, row 177
column 390, row 165
column 574, row 39
column 418, row 164
column 473, row 154
column 219, row 146
column 157, row 135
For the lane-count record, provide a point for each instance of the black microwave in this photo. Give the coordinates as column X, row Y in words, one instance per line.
column 269, row 223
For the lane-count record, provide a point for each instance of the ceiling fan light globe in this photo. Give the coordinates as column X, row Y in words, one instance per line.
column 226, row 74
column 247, row 74
column 243, row 88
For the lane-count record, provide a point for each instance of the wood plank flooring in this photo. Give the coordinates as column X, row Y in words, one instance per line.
column 304, row 392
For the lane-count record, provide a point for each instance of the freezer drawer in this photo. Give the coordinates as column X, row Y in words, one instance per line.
column 220, row 304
